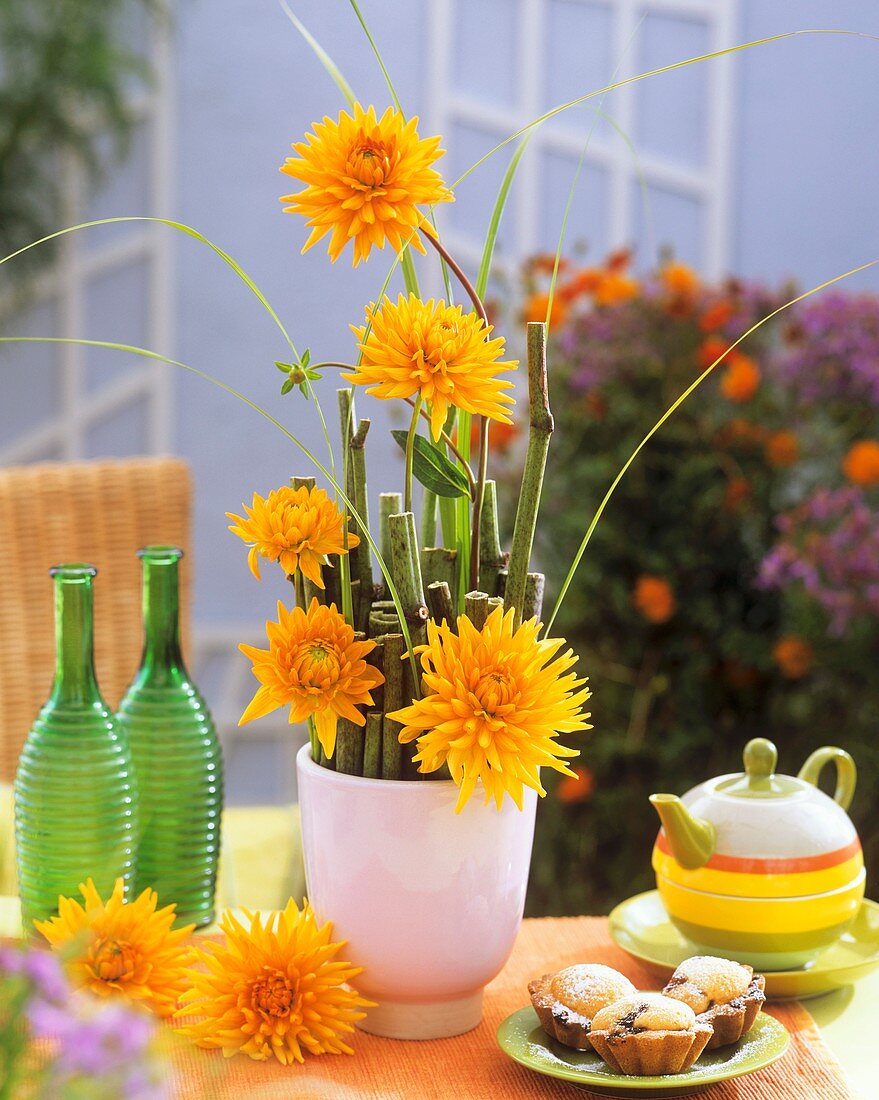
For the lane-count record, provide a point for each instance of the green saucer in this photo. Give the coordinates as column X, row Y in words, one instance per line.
column 642, row 927
column 524, row 1040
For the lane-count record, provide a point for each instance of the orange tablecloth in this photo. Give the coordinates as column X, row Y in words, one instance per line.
column 472, row 1067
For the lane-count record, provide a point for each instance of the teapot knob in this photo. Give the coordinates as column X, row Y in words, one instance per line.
column 760, row 757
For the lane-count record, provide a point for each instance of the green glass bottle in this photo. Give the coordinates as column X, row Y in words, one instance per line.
column 176, row 753
column 75, row 797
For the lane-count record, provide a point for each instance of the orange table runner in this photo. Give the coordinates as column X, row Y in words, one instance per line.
column 472, row 1067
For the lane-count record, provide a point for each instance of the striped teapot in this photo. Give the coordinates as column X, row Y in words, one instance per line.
column 759, row 867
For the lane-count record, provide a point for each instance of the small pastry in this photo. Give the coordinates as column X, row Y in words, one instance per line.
column 726, row 994
column 566, row 1001
column 648, row 1035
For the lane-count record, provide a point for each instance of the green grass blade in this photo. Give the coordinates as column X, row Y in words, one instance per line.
column 378, row 55
column 668, row 412
column 321, row 54
column 154, row 356
column 729, row 50
column 494, row 222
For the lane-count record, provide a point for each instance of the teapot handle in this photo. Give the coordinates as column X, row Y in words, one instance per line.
column 846, row 772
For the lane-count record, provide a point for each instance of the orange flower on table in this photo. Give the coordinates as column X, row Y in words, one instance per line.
column 273, row 989
column 861, row 464
column 438, row 351
column 537, row 305
column 716, row 315
column 296, row 527
column 578, row 787
column 314, row 665
column 115, row 948
column 615, row 287
column 495, row 700
column 794, row 656
column 679, row 280
column 741, row 379
column 782, row 449
column 365, row 178
column 654, row 599
column 710, row 350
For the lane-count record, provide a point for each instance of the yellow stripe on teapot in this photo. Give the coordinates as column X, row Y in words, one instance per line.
column 762, row 868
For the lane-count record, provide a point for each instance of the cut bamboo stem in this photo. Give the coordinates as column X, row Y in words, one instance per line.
column 349, row 747
column 372, row 745
column 407, row 574
column 439, row 599
column 541, row 428
column 428, row 518
column 439, row 564
column 361, row 564
column 302, row 482
column 389, row 504
column 476, row 608
column 392, row 750
column 532, row 608
column 491, row 555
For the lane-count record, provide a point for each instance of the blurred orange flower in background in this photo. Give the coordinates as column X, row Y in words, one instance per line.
column 654, row 599
column 782, row 449
column 861, row 464
column 585, row 281
column 536, row 306
column 502, row 436
column 794, row 656
column 737, row 492
column 577, row 787
column 615, row 287
column 710, row 350
column 741, row 379
column 679, row 279
column 716, row 316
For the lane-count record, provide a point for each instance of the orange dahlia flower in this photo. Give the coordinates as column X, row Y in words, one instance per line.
column 364, row 181
column 296, row 527
column 314, row 664
column 412, row 347
column 861, row 464
column 741, row 379
column 782, row 449
column 716, row 315
column 654, row 599
column 495, row 701
column 115, row 948
column 794, row 656
column 585, row 281
column 709, row 351
column 273, row 990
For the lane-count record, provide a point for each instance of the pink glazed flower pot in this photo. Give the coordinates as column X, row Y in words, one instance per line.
column 430, row 901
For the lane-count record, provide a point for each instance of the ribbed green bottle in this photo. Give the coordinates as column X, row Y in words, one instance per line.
column 177, row 756
column 75, row 797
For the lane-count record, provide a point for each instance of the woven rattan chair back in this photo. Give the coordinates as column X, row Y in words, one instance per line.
column 98, row 512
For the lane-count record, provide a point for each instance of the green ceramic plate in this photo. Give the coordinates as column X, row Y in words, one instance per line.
column 642, row 927
column 522, row 1037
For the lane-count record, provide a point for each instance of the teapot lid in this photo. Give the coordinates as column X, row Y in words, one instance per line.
column 759, row 779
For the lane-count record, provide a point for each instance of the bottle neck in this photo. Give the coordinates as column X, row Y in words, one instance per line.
column 162, row 655
column 75, row 682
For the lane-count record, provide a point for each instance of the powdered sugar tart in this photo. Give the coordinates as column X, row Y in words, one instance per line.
column 725, row 994
column 648, row 1034
column 565, row 1002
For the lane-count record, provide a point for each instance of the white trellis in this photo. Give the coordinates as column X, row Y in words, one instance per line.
column 706, row 184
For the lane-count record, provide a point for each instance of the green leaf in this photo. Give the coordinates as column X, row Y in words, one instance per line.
column 496, row 214
column 284, row 368
column 287, row 385
column 321, row 54
column 432, row 469
column 305, row 359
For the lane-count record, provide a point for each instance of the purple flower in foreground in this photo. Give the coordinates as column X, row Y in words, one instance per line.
column 42, row 970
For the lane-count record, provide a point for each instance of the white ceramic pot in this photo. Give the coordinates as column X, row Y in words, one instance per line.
column 430, row 901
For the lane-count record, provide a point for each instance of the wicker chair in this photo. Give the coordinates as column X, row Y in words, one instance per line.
column 98, row 512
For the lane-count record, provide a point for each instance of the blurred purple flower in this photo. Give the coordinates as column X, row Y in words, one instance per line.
column 830, row 545
column 833, row 353
column 41, row 968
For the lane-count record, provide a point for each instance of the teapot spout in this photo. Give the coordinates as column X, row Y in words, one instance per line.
column 690, row 838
